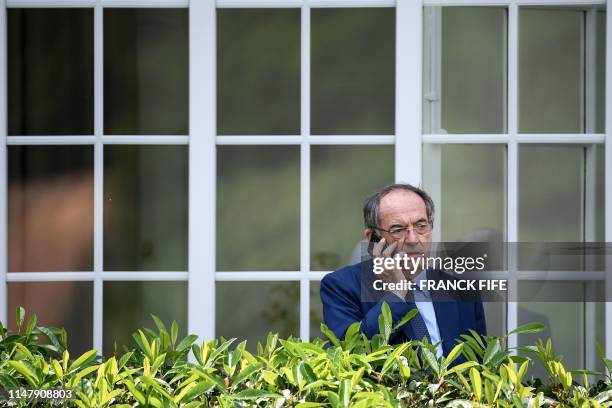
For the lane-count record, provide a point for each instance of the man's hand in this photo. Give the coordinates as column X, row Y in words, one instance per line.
column 390, row 275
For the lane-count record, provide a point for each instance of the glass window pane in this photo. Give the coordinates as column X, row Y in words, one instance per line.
column 146, row 71
column 128, row 307
column 496, row 318
column 258, row 71
column 550, row 202
column 468, row 185
column 66, row 305
column 145, row 208
column 551, row 57
column 249, row 310
column 600, row 79
column 50, row 71
column 336, row 213
column 550, row 175
column 50, row 208
column 574, row 327
column 466, row 93
column 353, row 71
column 600, row 193
column 316, row 310
column 265, row 233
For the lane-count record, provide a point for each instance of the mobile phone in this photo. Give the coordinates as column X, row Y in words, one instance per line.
column 374, row 238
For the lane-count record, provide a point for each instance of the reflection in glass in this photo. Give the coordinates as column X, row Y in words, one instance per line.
column 249, row 310
column 145, row 208
column 550, row 201
column 128, row 307
column 574, row 327
column 258, row 208
column 258, row 71
column 146, row 71
column 353, row 71
column 468, row 184
column 316, row 310
column 338, row 190
column 469, row 96
column 50, row 71
column 50, row 208
column 66, row 305
column 551, row 77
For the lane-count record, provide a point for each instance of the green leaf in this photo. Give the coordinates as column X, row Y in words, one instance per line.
column 357, row 375
column 124, row 359
column 352, row 331
column 499, row 358
column 31, row 324
column 25, row 371
column 84, row 359
column 199, row 389
column 58, row 369
column 307, row 372
column 186, row 343
column 7, row 382
column 492, row 349
column 477, row 337
column 160, row 325
column 246, row 373
column 156, row 385
column 476, row 383
column 431, row 360
column 80, row 374
column 255, row 394
column 344, row 392
column 462, row 367
column 20, row 315
column 384, row 321
column 173, row 332
column 406, row 318
column 533, row 327
column 210, row 377
column 219, row 350
column 330, row 335
column 392, row 357
column 452, row 356
column 108, row 397
column 139, row 396
column 52, row 338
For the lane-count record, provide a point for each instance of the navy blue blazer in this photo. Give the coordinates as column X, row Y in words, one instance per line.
column 341, row 294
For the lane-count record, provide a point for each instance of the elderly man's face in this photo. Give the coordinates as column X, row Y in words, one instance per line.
column 400, row 209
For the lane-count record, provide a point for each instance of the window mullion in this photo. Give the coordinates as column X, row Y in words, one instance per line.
column 408, row 96
column 305, row 176
column 202, row 168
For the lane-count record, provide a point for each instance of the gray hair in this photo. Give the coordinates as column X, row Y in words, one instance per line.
column 371, row 207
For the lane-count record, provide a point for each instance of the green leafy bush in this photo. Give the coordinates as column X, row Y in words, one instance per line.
column 162, row 371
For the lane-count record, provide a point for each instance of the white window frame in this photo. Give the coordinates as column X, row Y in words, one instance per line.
column 203, row 140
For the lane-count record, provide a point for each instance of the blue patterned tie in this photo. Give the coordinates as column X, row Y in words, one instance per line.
column 418, row 324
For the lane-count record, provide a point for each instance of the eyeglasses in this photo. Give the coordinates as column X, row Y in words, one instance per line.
column 421, row 228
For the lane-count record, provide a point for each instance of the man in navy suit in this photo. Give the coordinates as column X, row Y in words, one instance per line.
column 399, row 219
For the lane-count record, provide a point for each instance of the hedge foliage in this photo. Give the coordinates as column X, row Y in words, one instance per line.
column 165, row 371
